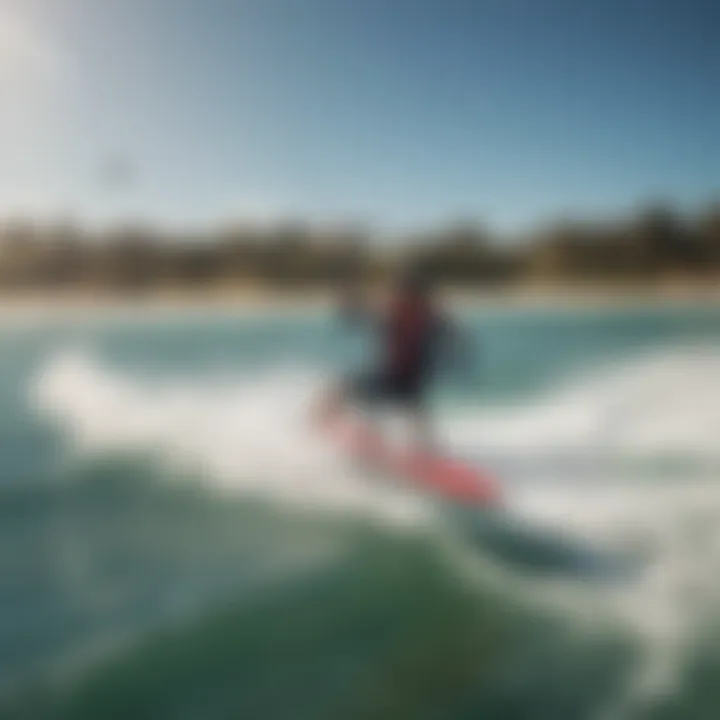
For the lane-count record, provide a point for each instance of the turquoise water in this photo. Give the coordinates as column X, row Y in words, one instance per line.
column 177, row 543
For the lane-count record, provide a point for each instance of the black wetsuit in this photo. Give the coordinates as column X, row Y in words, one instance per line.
column 411, row 338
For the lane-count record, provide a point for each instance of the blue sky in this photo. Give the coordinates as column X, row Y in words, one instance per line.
column 398, row 112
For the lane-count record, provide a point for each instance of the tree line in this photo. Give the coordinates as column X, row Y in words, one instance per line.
column 649, row 245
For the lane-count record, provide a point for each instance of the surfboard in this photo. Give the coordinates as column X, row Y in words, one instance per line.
column 450, row 478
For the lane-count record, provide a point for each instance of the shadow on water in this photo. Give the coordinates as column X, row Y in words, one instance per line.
column 538, row 551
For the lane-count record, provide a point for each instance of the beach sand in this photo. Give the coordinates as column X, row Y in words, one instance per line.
column 48, row 306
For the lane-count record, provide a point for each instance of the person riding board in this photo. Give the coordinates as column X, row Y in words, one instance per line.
column 414, row 336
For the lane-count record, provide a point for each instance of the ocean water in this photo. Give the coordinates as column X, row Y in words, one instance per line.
column 177, row 542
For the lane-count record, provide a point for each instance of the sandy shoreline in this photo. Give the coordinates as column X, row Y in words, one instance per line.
column 73, row 304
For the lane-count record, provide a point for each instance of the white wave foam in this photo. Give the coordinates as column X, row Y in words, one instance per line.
column 248, row 435
column 656, row 405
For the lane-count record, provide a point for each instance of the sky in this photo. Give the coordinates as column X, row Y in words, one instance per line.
column 399, row 113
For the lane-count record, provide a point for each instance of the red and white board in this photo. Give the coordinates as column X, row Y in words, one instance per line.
column 444, row 476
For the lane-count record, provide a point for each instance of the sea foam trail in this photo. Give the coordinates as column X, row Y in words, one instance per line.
column 572, row 457
column 243, row 435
